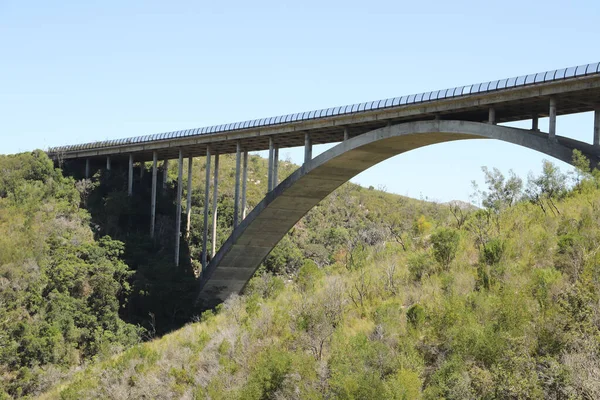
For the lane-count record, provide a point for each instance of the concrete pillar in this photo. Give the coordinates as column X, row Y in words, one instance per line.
column 275, row 168
column 308, row 146
column 142, row 169
column 153, row 194
column 270, row 175
column 178, row 215
column 236, row 198
column 130, row 176
column 437, row 117
column 492, row 116
column 165, row 175
column 552, row 116
column 188, row 204
column 108, row 163
column 206, row 205
column 244, row 183
column 597, row 126
column 535, row 123
column 213, row 240
column 346, row 134
column 87, row 168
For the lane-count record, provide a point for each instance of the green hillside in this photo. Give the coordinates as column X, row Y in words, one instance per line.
column 80, row 279
column 493, row 303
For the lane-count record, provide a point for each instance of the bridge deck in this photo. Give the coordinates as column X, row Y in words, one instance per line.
column 576, row 89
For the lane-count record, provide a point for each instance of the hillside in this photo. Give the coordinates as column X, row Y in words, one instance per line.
column 82, row 283
column 495, row 303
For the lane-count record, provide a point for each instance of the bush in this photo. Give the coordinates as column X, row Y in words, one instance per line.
column 445, row 244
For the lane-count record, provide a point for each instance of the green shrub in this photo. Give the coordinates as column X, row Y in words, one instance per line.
column 445, row 244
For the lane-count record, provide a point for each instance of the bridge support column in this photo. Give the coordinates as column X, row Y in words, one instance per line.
column 275, row 168
column 213, row 240
column 165, row 175
column 108, row 163
column 552, row 116
column 535, row 123
column 244, row 183
column 597, row 126
column 206, row 205
column 178, row 215
column 270, row 174
column 492, row 116
column 346, row 134
column 308, row 146
column 130, row 177
column 236, row 198
column 189, row 198
column 142, row 168
column 87, row 168
column 153, row 194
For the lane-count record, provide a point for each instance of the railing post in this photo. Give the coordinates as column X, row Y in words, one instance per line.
column 153, row 194
column 189, row 198
column 308, row 147
column 130, row 177
column 552, row 121
column 178, row 215
column 213, row 240
column 206, row 205
column 236, row 199
column 244, row 183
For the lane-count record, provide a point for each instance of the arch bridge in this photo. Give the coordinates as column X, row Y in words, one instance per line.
column 368, row 133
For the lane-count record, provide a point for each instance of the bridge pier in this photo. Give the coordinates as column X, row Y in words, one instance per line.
column 130, row 177
column 492, row 116
column 236, row 198
column 552, row 116
column 275, row 168
column 178, row 215
column 142, row 168
column 206, row 200
column 308, row 146
column 165, row 175
column 535, row 123
column 346, row 134
column 244, row 183
column 153, row 194
column 87, row 168
column 597, row 126
column 188, row 204
column 213, row 240
column 108, row 163
column 270, row 171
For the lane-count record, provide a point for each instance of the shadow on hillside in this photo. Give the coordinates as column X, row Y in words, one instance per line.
column 162, row 296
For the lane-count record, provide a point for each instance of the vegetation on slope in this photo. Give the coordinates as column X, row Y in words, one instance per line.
column 59, row 289
column 498, row 302
column 79, row 284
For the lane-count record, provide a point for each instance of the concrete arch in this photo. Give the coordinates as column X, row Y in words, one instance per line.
column 242, row 253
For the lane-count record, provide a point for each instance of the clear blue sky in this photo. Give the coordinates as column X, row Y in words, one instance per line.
column 79, row 71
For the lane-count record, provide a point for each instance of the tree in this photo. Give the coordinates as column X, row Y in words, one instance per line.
column 545, row 189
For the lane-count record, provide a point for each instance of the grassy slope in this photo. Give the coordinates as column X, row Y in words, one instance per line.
column 519, row 320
